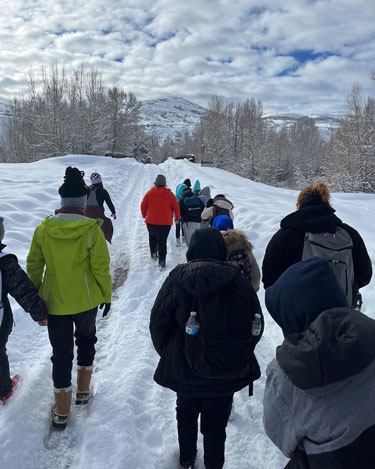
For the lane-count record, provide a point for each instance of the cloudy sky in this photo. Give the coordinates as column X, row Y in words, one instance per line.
column 295, row 55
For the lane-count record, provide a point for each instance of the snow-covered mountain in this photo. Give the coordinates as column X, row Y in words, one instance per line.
column 326, row 123
column 168, row 116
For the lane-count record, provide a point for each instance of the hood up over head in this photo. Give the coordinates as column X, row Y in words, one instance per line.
column 336, row 346
column 205, row 195
column 302, row 292
column 207, row 243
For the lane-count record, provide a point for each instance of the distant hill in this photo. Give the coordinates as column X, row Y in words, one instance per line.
column 167, row 116
column 325, row 123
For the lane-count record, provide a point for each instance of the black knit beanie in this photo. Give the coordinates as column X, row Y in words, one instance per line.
column 74, row 184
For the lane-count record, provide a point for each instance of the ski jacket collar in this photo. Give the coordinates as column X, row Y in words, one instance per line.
column 336, row 346
column 312, row 217
column 204, row 277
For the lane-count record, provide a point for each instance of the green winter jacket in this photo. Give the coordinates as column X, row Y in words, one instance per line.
column 75, row 253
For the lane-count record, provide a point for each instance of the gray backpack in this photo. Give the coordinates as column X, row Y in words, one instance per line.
column 337, row 249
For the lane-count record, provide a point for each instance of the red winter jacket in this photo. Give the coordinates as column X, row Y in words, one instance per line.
column 158, row 206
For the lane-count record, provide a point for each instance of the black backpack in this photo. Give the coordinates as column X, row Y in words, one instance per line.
column 216, row 211
column 224, row 346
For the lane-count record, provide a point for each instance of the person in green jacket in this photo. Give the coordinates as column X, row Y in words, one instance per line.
column 69, row 263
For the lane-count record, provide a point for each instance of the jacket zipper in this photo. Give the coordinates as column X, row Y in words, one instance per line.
column 88, row 291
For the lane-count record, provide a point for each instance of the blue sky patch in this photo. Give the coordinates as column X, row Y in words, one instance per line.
column 306, row 55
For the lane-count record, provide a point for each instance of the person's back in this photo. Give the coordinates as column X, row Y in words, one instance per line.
column 319, row 408
column 191, row 207
column 157, row 208
column 69, row 262
column 220, row 206
column 68, row 244
column 205, row 369
column 314, row 214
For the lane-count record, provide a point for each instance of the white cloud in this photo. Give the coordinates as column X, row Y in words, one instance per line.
column 236, row 48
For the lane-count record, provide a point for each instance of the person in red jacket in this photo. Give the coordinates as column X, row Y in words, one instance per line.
column 157, row 208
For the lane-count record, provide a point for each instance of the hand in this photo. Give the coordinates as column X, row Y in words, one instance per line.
column 113, row 215
column 43, row 323
column 107, row 307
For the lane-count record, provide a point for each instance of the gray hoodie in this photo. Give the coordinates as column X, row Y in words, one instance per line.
column 319, row 393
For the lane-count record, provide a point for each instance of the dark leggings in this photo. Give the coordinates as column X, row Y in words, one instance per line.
column 157, row 236
column 215, row 413
column 60, row 331
column 5, row 330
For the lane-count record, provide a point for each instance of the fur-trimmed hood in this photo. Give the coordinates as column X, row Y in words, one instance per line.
column 236, row 241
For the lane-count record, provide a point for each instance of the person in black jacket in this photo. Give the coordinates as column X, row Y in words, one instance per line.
column 220, row 295
column 319, row 400
column 191, row 207
column 314, row 214
column 95, row 205
column 15, row 282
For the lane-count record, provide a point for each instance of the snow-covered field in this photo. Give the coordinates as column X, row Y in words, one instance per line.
column 131, row 422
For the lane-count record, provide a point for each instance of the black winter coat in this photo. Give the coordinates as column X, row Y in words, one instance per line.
column 198, row 278
column 16, row 283
column 286, row 246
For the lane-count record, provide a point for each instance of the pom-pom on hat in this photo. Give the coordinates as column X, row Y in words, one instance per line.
column 160, row 180
column 2, row 231
column 95, row 178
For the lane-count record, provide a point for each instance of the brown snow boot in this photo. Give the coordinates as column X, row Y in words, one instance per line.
column 84, row 393
column 61, row 409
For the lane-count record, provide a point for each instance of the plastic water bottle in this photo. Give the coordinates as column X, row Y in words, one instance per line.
column 192, row 325
column 257, row 325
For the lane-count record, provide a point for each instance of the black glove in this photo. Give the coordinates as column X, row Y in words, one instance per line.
column 107, row 307
column 39, row 316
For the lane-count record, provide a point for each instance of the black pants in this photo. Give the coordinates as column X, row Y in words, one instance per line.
column 5, row 330
column 215, row 413
column 60, row 331
column 157, row 236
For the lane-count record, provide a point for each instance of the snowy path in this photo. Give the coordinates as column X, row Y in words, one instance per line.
column 131, row 422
